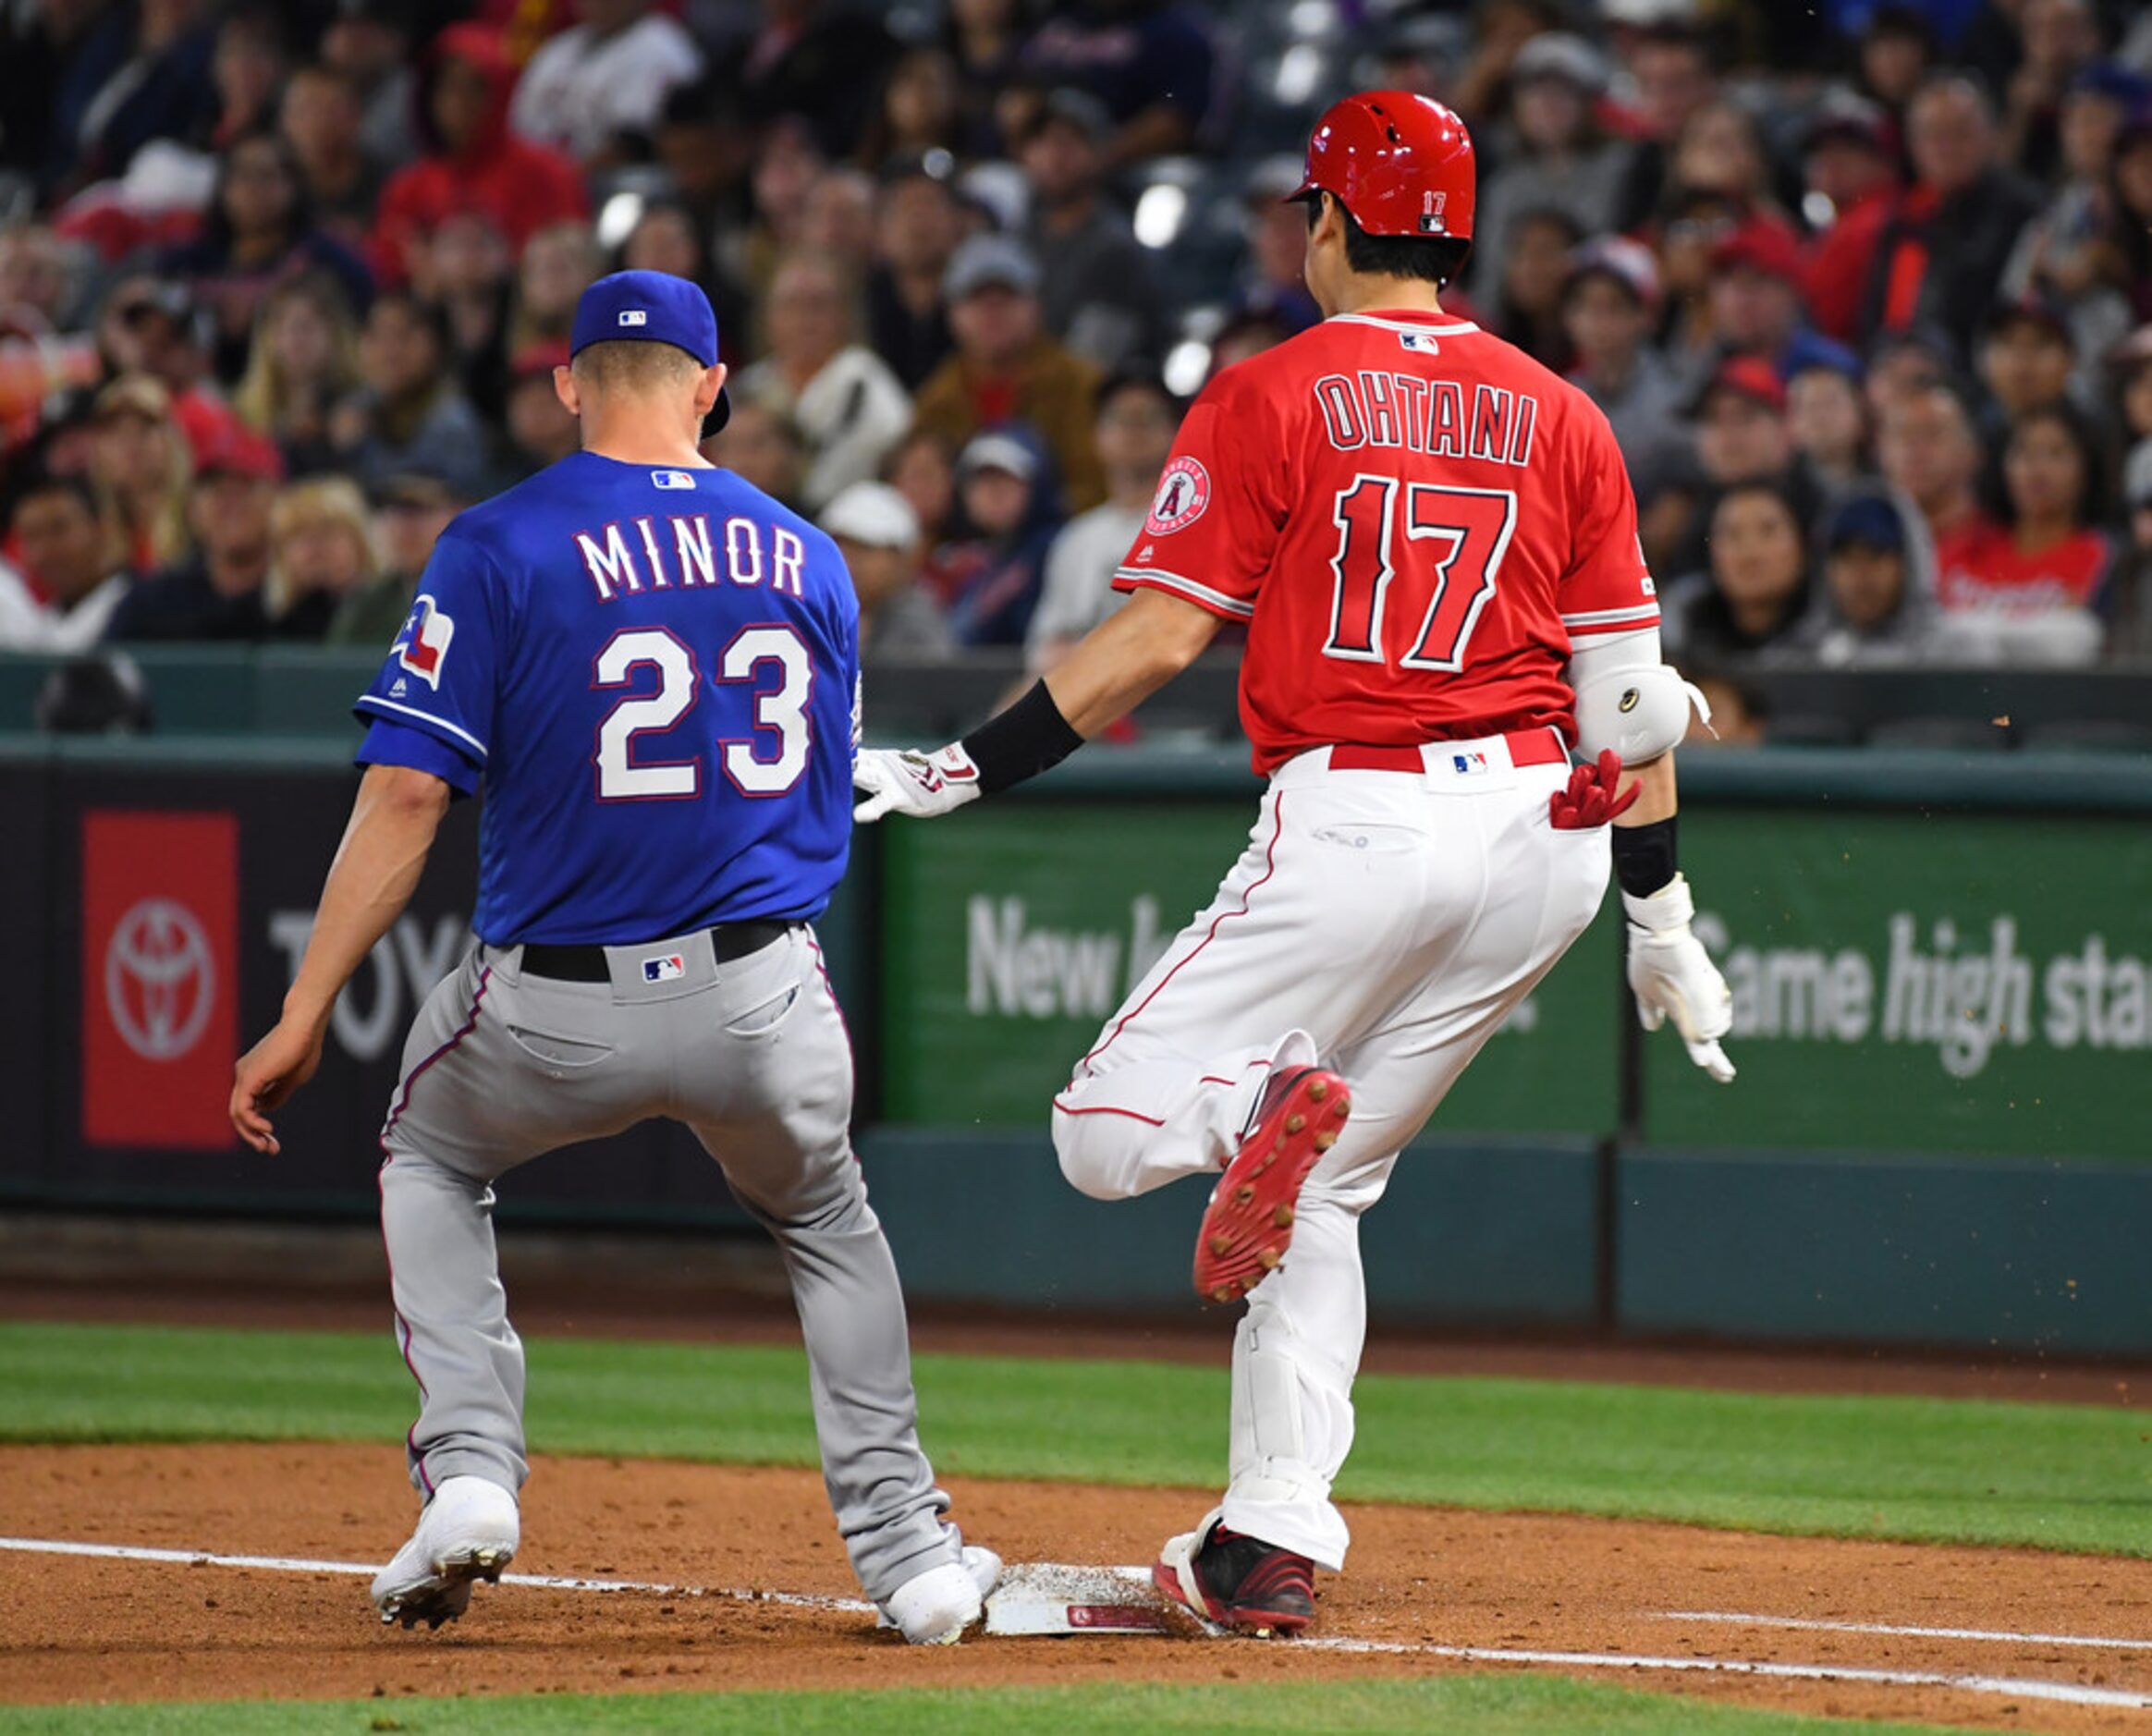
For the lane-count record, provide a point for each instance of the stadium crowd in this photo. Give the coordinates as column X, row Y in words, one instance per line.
column 1865, row 289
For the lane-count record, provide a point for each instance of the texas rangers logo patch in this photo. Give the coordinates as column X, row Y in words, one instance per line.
column 669, row 969
column 422, row 644
column 1184, row 491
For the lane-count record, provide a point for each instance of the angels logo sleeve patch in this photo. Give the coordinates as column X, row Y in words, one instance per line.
column 1184, row 490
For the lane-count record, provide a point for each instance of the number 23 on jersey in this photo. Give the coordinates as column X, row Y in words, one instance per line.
column 770, row 659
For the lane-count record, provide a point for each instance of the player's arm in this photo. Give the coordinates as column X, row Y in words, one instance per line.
column 1113, row 668
column 376, row 870
column 1632, row 704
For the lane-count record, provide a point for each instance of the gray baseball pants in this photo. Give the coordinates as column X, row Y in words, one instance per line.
column 751, row 1055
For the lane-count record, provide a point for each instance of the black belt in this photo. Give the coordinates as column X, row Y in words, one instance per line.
column 729, row 941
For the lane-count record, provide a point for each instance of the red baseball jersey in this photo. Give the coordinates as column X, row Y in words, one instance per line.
column 1415, row 520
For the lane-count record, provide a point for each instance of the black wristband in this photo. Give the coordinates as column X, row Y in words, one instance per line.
column 1031, row 736
column 1645, row 860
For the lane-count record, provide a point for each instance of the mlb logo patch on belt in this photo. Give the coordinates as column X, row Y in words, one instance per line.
column 1471, row 765
column 669, row 969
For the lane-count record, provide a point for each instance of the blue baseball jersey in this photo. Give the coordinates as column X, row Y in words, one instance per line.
column 654, row 674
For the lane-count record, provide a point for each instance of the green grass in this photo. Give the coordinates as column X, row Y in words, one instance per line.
column 2054, row 1476
column 1482, row 1706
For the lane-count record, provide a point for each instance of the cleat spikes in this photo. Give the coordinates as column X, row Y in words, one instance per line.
column 1282, row 1218
column 1268, row 1259
column 1325, row 1140
column 1293, row 1123
column 1317, row 1090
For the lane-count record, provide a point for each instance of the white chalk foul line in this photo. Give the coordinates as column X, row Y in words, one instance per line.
column 2071, row 1693
column 542, row 1582
column 1809, row 1625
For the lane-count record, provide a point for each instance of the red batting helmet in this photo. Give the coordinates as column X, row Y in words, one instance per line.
column 1400, row 164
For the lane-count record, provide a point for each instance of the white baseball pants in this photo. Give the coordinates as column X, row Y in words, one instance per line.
column 1383, row 922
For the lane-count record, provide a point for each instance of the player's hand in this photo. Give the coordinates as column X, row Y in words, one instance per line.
column 267, row 1075
column 1591, row 799
column 906, row 781
column 1672, row 977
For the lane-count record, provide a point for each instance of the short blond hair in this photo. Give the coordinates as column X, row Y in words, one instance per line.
column 317, row 503
column 635, row 365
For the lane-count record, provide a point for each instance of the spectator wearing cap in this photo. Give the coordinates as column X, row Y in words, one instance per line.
column 878, row 534
column 2029, row 589
column 1150, row 62
column 599, row 85
column 73, row 583
column 1137, row 421
column 410, row 511
column 2056, row 40
column 1751, row 597
column 1754, row 303
column 1006, row 368
column 408, row 414
column 538, row 429
column 151, row 325
column 321, row 555
column 372, row 43
column 143, row 466
column 1876, row 606
column 762, row 446
column 1850, row 163
column 1552, row 152
column 2026, row 362
column 1743, row 437
column 471, row 160
column 990, row 575
column 848, row 406
column 2130, row 601
column 1928, row 450
column 303, row 361
column 1274, row 284
column 1825, row 413
column 813, row 58
column 1941, row 251
column 918, row 226
column 1095, row 289
column 216, row 593
column 259, row 233
column 321, row 117
column 1608, row 308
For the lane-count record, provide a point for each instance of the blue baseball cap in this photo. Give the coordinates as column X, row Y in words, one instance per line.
column 651, row 307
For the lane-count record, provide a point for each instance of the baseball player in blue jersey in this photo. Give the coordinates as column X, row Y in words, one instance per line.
column 652, row 668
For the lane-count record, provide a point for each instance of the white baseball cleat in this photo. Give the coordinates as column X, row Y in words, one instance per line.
column 468, row 1532
column 935, row 1607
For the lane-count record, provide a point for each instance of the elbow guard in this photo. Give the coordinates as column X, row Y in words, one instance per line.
column 1641, row 710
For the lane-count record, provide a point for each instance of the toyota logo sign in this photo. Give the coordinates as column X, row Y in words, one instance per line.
column 160, row 979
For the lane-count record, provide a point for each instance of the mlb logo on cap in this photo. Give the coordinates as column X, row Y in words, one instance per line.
column 669, row 969
column 634, row 316
column 650, row 307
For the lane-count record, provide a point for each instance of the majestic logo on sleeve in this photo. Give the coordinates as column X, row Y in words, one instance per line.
column 1184, row 491
column 424, row 644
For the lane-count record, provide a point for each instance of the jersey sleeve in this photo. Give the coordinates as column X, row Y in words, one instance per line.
column 391, row 743
column 1608, row 588
column 1220, row 506
column 442, row 669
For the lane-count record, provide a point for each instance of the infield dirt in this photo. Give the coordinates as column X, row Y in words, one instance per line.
column 95, row 1628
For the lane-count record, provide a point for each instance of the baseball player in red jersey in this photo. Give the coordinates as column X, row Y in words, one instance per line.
column 1432, row 542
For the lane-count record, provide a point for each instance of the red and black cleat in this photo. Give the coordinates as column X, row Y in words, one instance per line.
column 1238, row 1581
column 1248, row 1224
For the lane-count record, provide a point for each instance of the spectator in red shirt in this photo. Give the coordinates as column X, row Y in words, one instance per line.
column 1849, row 161
column 2026, row 591
column 473, row 161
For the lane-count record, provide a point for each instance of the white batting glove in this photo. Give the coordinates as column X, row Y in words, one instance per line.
column 1671, row 974
column 905, row 781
